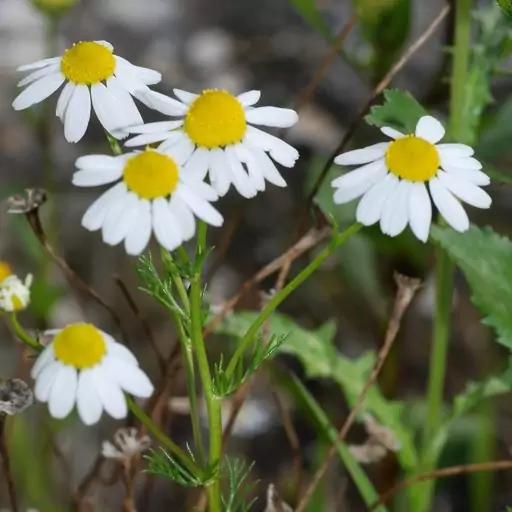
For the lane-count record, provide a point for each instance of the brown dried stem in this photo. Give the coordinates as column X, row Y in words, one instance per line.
column 407, row 288
column 4, row 455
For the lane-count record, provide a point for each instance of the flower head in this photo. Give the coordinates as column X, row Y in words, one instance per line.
column 5, row 270
column 127, row 445
column 394, row 175
column 215, row 135
column 93, row 74
column 153, row 195
column 14, row 293
column 86, row 366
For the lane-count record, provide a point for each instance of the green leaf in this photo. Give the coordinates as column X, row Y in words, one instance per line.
column 494, row 141
column 400, row 110
column 321, row 359
column 308, row 10
column 506, row 8
column 485, row 257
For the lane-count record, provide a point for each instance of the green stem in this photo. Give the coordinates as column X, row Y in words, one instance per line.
column 272, row 305
column 212, row 403
column 114, row 144
column 22, row 335
column 155, row 430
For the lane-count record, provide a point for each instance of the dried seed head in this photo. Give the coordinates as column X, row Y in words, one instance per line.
column 274, row 501
column 15, row 396
column 126, row 445
column 34, row 199
column 382, row 435
column 369, row 453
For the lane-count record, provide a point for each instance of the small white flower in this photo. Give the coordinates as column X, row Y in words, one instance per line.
column 86, row 366
column 393, row 181
column 154, row 195
column 214, row 135
column 15, row 293
column 93, row 74
column 127, row 444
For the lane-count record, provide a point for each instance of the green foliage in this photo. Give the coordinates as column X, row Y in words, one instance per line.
column 224, row 384
column 309, row 11
column 317, row 352
column 506, row 8
column 237, row 497
column 485, row 257
column 161, row 463
column 400, row 110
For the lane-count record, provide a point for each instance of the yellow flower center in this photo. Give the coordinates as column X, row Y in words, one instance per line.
column 5, row 270
column 87, row 63
column 151, row 174
column 79, row 345
column 412, row 158
column 215, row 119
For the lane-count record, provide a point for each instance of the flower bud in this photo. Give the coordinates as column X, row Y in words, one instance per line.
column 54, row 7
column 14, row 293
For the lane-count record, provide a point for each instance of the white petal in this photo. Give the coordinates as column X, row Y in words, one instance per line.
column 180, row 151
column 279, row 150
column 369, row 209
column 201, row 208
column 362, row 156
column 185, row 97
column 129, row 80
column 420, row 211
column 465, row 191
column 39, row 73
column 147, row 76
column 109, row 111
column 391, row 132
column 200, row 188
column 369, row 173
column 140, row 234
column 183, row 213
column 255, row 170
column 130, row 111
column 100, row 162
column 272, row 116
column 88, row 402
column 129, row 378
column 63, row 393
column 164, row 104
column 78, row 114
column 173, row 137
column 249, row 98
column 448, row 206
column 451, row 150
column 120, row 218
column 395, row 213
column 266, row 167
column 476, row 177
column 345, row 195
column 38, row 91
column 165, row 226
column 119, row 351
column 45, row 358
column 94, row 178
column 462, row 163
column 106, row 44
column 147, row 138
column 241, row 179
column 430, row 129
column 39, row 64
column 63, row 101
column 95, row 215
column 198, row 164
column 220, row 177
column 109, row 392
column 158, row 127
column 45, row 380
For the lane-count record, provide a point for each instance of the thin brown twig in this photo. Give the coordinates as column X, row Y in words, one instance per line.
column 407, row 288
column 4, row 455
column 143, row 321
column 498, row 465
column 35, row 223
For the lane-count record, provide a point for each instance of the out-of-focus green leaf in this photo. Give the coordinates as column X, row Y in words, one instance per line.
column 494, row 141
column 497, row 175
column 321, row 359
column 485, row 257
column 309, row 11
column 43, row 297
column 400, row 110
column 319, row 419
column 506, row 7
column 385, row 25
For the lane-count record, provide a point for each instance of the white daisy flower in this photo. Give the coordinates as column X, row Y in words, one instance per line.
column 86, row 366
column 15, row 293
column 153, row 195
column 394, row 175
column 93, row 74
column 215, row 135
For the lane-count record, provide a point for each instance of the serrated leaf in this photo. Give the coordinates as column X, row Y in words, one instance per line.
column 399, row 110
column 485, row 257
column 308, row 10
column 321, row 359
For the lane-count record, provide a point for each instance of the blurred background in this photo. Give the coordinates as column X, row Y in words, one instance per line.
column 241, row 45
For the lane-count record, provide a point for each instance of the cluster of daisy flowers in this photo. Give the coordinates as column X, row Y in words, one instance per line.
column 209, row 143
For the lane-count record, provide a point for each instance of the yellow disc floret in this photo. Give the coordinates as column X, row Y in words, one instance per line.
column 412, row 158
column 215, row 119
column 151, row 174
column 5, row 270
column 88, row 63
column 80, row 345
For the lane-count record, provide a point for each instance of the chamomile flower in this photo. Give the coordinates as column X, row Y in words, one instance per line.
column 5, row 270
column 93, row 74
column 394, row 176
column 153, row 194
column 14, row 293
column 215, row 135
column 87, row 367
